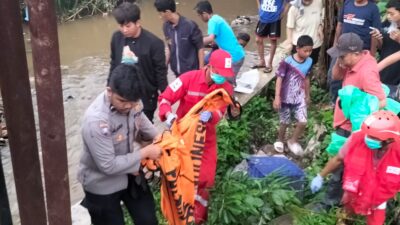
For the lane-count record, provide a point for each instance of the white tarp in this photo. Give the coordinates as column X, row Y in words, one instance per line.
column 247, row 81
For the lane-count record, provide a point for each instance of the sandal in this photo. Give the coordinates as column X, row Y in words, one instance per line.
column 267, row 70
column 295, row 148
column 257, row 66
column 279, row 147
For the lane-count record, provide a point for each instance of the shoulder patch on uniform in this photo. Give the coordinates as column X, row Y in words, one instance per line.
column 228, row 63
column 176, row 85
column 105, row 130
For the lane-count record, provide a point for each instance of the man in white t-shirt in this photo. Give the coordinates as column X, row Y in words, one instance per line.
column 306, row 17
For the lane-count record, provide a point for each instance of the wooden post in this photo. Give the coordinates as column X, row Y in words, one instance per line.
column 46, row 64
column 18, row 110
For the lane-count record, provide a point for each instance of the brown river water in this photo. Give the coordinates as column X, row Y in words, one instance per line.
column 84, row 52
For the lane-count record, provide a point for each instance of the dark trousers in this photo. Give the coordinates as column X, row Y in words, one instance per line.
column 150, row 105
column 334, row 85
column 334, row 192
column 149, row 114
column 107, row 210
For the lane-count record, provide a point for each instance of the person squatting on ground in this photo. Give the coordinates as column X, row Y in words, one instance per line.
column 242, row 37
column 184, row 39
column 109, row 168
column 356, row 16
column 292, row 93
column 306, row 17
column 188, row 89
column 371, row 159
column 220, row 32
column 135, row 45
column 269, row 26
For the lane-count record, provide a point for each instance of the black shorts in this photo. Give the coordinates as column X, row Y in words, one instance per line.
column 270, row 30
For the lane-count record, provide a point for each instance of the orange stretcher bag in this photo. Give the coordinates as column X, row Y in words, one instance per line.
column 182, row 149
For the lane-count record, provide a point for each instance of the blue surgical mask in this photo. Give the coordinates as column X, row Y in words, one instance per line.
column 372, row 143
column 218, row 79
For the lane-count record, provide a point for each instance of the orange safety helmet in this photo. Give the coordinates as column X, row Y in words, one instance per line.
column 383, row 125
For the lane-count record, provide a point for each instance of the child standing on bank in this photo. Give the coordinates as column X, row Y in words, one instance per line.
column 292, row 93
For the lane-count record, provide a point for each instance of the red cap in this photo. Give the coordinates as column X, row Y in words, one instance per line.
column 383, row 125
column 222, row 62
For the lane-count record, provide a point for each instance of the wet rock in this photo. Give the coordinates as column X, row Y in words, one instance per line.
column 80, row 215
column 69, row 97
column 268, row 150
column 282, row 220
column 64, row 67
column 243, row 166
column 311, row 151
column 241, row 20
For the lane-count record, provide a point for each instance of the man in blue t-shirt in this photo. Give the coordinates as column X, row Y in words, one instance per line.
column 222, row 34
column 269, row 26
column 357, row 16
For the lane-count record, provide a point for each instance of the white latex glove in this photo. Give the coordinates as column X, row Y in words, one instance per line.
column 170, row 119
column 316, row 183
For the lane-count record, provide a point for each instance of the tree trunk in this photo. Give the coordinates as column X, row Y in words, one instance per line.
column 331, row 12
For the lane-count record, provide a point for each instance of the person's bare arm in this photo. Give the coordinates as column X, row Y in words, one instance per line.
column 338, row 71
column 331, row 166
column 389, row 61
column 285, row 10
column 167, row 54
column 208, row 39
column 277, row 100
column 307, row 90
column 337, row 32
column 200, row 54
column 289, row 35
column 374, row 47
column 376, row 39
column 288, row 43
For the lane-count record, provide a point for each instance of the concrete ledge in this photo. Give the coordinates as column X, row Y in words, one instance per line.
column 265, row 78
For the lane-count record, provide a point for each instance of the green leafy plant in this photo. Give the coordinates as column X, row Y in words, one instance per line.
column 232, row 139
column 238, row 199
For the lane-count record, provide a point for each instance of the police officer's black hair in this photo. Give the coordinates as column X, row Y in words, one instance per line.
column 304, row 40
column 164, row 5
column 203, row 7
column 125, row 80
column 243, row 36
column 119, row 2
column 393, row 4
column 126, row 12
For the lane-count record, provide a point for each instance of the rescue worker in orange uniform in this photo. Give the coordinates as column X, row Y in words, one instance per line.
column 188, row 89
column 371, row 160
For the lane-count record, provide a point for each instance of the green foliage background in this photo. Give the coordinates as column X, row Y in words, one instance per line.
column 73, row 9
